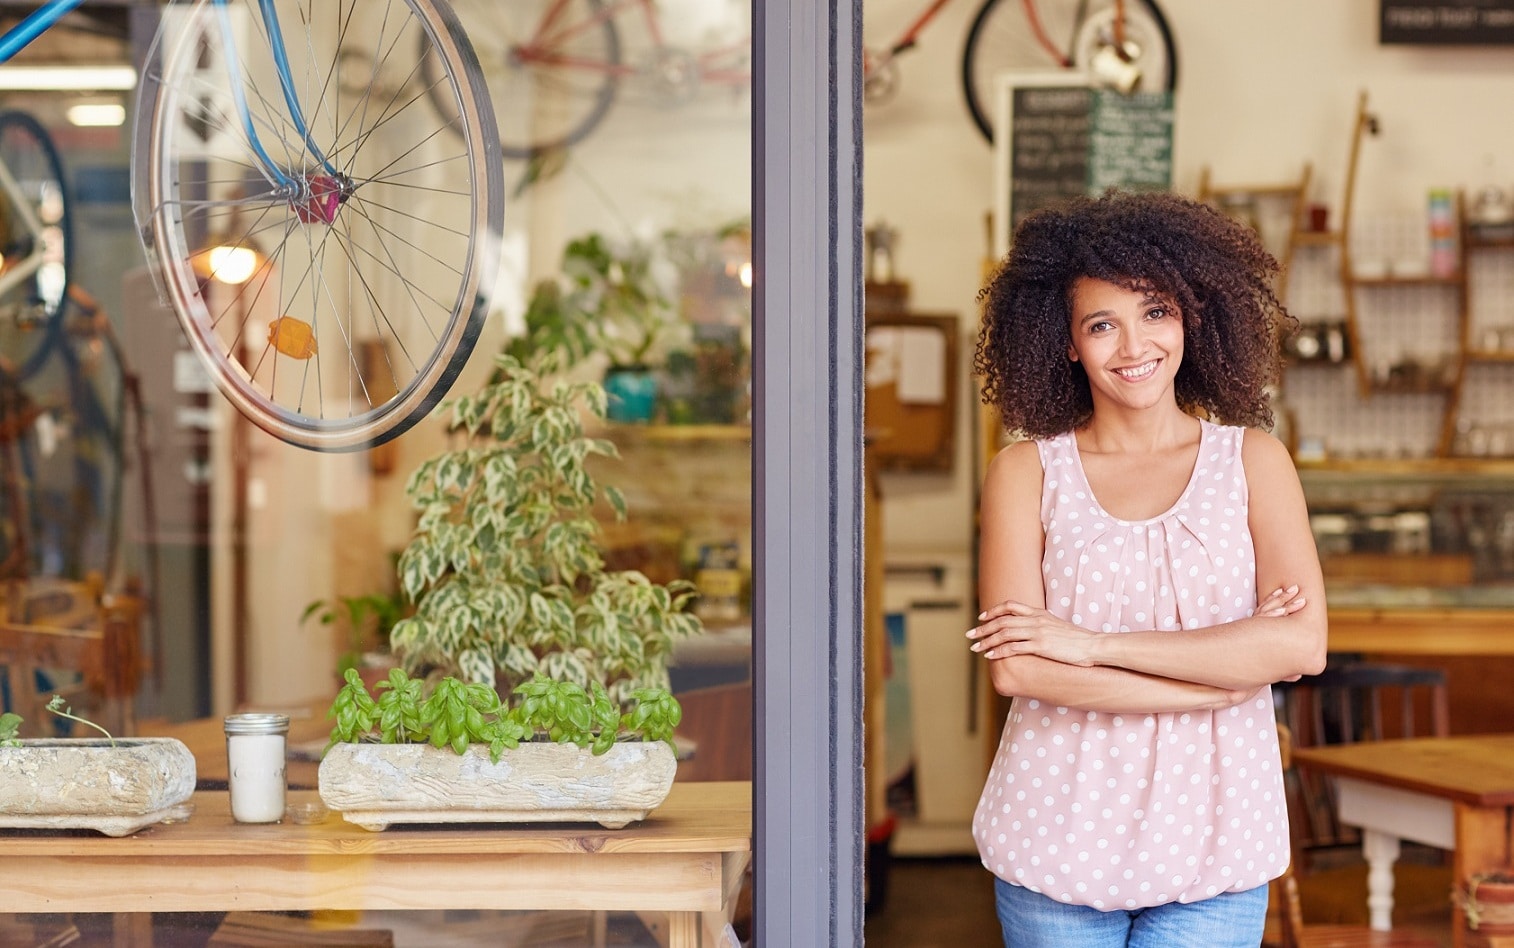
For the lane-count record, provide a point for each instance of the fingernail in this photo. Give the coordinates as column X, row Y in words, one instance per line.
column 982, row 616
column 972, row 633
column 976, row 646
column 1293, row 588
column 989, row 655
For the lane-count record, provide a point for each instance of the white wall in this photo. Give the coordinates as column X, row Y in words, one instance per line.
column 1263, row 88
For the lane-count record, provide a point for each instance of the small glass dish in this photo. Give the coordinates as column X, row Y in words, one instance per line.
column 307, row 812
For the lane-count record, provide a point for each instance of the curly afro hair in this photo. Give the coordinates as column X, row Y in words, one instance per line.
column 1214, row 269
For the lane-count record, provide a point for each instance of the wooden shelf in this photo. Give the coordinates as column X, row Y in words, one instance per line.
column 1424, row 279
column 679, row 433
column 1316, row 238
column 1413, row 467
column 1490, row 355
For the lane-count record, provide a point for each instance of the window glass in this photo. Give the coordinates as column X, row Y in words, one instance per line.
column 577, row 177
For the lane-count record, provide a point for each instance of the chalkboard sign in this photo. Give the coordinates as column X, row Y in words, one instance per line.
column 1066, row 138
column 1130, row 141
column 1453, row 22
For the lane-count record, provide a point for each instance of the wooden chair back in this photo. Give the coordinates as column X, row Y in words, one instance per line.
column 101, row 646
column 1347, row 703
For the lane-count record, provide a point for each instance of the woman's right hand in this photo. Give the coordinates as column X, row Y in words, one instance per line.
column 1284, row 601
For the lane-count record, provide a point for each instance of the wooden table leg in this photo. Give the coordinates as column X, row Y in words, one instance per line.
column 1484, row 841
column 1381, row 850
column 131, row 930
column 683, row 930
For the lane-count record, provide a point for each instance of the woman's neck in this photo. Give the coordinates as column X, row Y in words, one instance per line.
column 1144, row 432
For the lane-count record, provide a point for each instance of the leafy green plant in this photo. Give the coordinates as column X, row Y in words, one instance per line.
column 59, row 707
column 457, row 714
column 10, row 726
column 610, row 296
column 368, row 621
column 503, row 564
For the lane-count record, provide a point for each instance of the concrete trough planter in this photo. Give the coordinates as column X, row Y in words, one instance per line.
column 376, row 785
column 85, row 783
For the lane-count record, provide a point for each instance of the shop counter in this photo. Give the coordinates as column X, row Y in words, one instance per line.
column 1434, row 631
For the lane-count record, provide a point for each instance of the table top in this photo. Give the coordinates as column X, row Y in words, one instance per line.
column 1476, row 769
column 309, row 730
column 695, row 818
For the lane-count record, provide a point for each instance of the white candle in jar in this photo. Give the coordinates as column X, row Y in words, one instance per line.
column 255, row 766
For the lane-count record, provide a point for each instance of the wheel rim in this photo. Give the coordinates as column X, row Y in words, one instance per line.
column 368, row 272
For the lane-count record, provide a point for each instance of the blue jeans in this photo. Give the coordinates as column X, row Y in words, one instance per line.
column 1228, row 920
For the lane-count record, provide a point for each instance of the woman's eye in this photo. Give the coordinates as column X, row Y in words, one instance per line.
column 1157, row 312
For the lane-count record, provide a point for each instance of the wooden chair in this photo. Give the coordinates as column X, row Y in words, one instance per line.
column 74, row 629
column 1286, row 928
column 1343, row 704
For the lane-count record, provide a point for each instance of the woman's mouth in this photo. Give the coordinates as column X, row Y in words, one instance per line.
column 1138, row 372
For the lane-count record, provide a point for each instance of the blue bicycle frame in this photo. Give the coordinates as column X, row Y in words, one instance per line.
column 40, row 21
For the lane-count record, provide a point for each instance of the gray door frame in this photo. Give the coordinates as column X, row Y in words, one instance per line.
column 807, row 473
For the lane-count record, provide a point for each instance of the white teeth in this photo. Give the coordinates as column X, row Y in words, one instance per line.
column 1139, row 372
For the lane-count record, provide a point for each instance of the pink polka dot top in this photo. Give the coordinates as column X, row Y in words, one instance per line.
column 1124, row 811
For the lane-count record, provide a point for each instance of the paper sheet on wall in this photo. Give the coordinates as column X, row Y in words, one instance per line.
column 922, row 366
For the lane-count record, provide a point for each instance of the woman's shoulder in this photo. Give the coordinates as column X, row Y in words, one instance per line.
column 1017, row 462
column 1262, row 451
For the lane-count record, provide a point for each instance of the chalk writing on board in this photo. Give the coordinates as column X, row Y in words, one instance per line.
column 1049, row 159
column 1130, row 141
column 1461, row 22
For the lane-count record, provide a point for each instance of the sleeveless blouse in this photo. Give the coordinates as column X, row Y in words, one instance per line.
column 1127, row 811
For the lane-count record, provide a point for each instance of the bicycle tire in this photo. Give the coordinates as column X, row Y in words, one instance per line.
column 376, row 286
column 1002, row 38
column 31, row 313
column 541, row 106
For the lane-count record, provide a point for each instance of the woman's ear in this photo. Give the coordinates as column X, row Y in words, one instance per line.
column 1072, row 354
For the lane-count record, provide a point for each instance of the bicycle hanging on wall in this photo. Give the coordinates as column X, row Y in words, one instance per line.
column 555, row 68
column 322, row 204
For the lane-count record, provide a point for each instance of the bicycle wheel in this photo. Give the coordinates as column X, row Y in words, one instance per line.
column 1020, row 35
column 333, row 277
column 36, row 237
column 553, row 68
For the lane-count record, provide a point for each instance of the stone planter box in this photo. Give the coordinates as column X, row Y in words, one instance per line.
column 376, row 785
column 85, row 783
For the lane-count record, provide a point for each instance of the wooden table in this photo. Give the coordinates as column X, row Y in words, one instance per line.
column 1454, row 793
column 686, row 859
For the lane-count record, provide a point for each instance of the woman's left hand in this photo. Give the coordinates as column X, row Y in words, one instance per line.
column 1014, row 628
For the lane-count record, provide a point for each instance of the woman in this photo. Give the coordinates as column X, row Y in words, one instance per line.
column 1137, row 797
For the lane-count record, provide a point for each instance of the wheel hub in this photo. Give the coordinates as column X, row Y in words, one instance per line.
column 320, row 196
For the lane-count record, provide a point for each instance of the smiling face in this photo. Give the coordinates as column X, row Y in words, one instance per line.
column 1130, row 343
